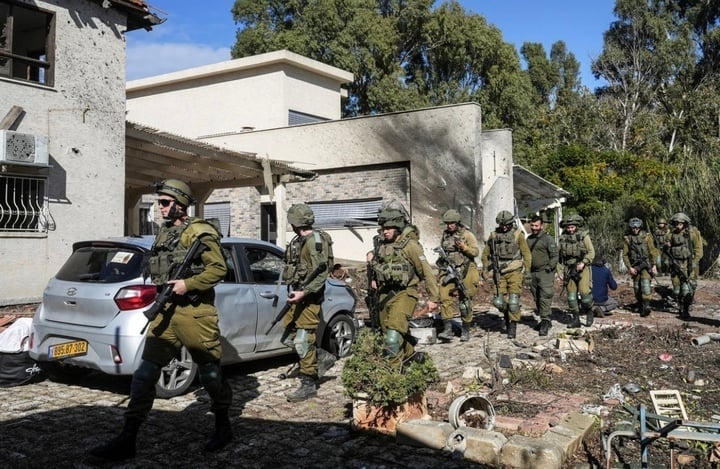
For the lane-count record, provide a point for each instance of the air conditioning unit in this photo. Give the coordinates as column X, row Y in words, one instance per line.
column 23, row 149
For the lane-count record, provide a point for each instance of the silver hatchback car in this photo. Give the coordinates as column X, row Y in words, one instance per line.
column 91, row 316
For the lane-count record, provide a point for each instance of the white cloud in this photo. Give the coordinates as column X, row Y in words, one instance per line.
column 150, row 59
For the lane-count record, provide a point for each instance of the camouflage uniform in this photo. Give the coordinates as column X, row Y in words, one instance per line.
column 684, row 246
column 639, row 254
column 544, row 253
column 308, row 260
column 188, row 320
column 399, row 265
column 461, row 248
column 576, row 255
column 511, row 250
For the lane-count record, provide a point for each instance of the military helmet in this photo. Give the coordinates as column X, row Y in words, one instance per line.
column 661, row 221
column 177, row 189
column 391, row 218
column 635, row 223
column 300, row 215
column 504, row 218
column 680, row 218
column 451, row 216
column 573, row 219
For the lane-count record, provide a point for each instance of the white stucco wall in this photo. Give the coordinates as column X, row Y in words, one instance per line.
column 255, row 92
column 441, row 145
column 83, row 116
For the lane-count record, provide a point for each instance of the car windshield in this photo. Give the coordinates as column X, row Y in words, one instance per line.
column 102, row 265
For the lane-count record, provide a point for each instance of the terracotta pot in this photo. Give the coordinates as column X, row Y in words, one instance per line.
column 385, row 419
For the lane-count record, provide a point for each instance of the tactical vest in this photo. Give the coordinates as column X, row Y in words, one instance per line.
column 171, row 246
column 457, row 258
column 638, row 247
column 296, row 271
column 572, row 247
column 680, row 245
column 505, row 245
column 392, row 269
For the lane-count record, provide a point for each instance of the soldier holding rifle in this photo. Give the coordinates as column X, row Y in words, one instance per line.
column 189, row 319
column 639, row 255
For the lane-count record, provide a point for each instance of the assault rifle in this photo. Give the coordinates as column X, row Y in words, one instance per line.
column 177, row 272
column 642, row 262
column 675, row 267
column 453, row 273
column 320, row 268
column 495, row 260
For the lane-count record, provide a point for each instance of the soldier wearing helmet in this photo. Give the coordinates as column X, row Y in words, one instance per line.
column 684, row 247
column 639, row 255
column 461, row 247
column 308, row 260
column 507, row 253
column 189, row 319
column 576, row 255
column 399, row 265
column 663, row 261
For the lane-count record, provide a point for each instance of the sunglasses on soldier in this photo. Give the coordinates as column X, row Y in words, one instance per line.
column 165, row 202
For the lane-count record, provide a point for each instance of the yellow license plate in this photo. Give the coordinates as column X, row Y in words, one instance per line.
column 68, row 349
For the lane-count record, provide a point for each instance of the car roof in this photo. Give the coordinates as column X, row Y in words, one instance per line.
column 146, row 241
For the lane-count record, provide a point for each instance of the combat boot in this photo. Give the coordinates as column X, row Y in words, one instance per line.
column 545, row 326
column 122, row 446
column 645, row 309
column 447, row 333
column 465, row 336
column 575, row 322
column 326, row 360
column 589, row 317
column 512, row 330
column 223, row 432
column 685, row 309
column 307, row 389
column 598, row 312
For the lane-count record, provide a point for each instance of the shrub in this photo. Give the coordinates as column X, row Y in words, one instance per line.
column 369, row 375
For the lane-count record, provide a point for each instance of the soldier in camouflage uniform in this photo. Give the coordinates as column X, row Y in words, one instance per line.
column 663, row 261
column 639, row 254
column 576, row 255
column 544, row 252
column 509, row 247
column 189, row 319
column 684, row 247
column 399, row 265
column 308, row 260
column 461, row 248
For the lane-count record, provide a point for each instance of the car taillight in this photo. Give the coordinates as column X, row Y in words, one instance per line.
column 135, row 297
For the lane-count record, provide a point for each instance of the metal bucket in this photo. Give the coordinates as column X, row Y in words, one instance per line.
column 472, row 410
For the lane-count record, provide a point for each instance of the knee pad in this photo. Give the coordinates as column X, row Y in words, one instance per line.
column 645, row 287
column 676, row 290
column 514, row 302
column 636, row 285
column 209, row 372
column 685, row 289
column 586, row 300
column 499, row 302
column 693, row 284
column 393, row 342
column 145, row 378
column 572, row 300
column 302, row 344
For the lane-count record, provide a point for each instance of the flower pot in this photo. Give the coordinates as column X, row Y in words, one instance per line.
column 385, row 419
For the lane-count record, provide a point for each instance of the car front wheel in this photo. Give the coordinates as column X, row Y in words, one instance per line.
column 177, row 376
column 339, row 335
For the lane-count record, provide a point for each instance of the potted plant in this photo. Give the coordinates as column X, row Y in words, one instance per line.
column 382, row 395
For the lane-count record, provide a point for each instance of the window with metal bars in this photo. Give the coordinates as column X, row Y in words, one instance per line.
column 23, row 204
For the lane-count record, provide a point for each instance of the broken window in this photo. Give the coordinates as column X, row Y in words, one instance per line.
column 25, row 43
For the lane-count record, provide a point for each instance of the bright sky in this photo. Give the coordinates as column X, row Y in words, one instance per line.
column 200, row 33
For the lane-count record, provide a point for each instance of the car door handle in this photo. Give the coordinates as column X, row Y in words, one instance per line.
column 268, row 294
